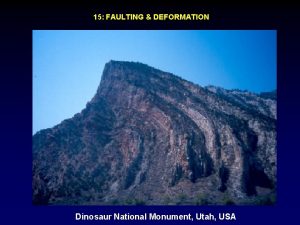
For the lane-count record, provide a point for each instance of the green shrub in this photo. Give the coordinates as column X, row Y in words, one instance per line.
column 200, row 199
column 227, row 200
column 166, row 200
column 181, row 198
column 134, row 201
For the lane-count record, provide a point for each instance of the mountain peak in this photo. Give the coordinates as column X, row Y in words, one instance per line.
column 119, row 75
column 127, row 64
column 114, row 69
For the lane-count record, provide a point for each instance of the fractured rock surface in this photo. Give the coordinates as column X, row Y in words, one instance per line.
column 150, row 137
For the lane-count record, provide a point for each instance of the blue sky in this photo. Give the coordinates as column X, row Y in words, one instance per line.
column 67, row 65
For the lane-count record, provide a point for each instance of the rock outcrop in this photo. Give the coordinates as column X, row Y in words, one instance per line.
column 150, row 137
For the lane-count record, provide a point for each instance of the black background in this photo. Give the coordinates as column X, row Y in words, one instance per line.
column 17, row 22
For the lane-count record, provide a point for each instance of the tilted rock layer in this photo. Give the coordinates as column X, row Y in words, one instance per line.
column 150, row 137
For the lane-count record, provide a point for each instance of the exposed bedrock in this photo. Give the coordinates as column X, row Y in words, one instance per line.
column 150, row 137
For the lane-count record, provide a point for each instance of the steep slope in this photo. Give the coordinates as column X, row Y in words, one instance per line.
column 150, row 137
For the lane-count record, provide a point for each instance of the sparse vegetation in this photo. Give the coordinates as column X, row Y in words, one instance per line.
column 166, row 200
column 227, row 200
column 201, row 200
column 134, row 201
column 115, row 202
column 266, row 200
column 181, row 198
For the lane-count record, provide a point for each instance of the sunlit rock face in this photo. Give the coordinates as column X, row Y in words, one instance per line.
column 150, row 137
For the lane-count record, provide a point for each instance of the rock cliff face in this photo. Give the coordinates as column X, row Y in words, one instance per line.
column 150, row 137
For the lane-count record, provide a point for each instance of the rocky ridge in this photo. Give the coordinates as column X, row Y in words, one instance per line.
column 150, row 137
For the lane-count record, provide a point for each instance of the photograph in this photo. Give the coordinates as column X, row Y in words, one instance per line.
column 154, row 117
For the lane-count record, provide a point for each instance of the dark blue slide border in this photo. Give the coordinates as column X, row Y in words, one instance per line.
column 17, row 23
